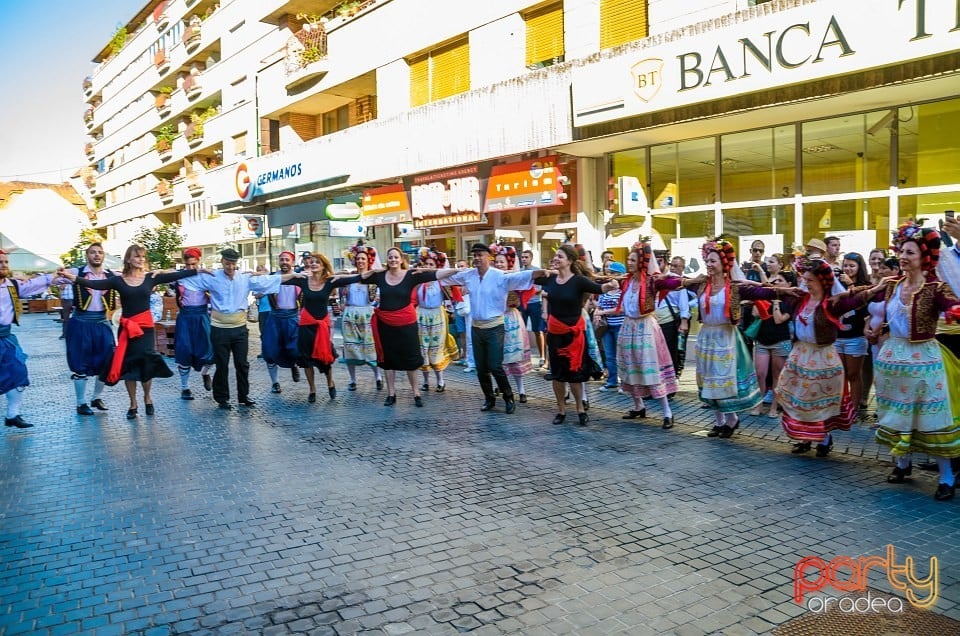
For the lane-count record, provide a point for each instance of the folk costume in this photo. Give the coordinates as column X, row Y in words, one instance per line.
column 280, row 333
column 89, row 337
column 516, row 340
column 432, row 324
column 359, row 348
column 14, row 378
column 394, row 323
column 192, row 348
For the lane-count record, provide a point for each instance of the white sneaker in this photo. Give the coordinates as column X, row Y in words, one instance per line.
column 468, row 369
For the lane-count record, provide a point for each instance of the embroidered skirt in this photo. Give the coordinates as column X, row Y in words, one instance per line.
column 918, row 397
column 726, row 375
column 432, row 324
column 358, row 345
column 643, row 359
column 516, row 344
column 191, row 340
column 13, row 363
column 813, row 393
column 90, row 343
column 279, row 339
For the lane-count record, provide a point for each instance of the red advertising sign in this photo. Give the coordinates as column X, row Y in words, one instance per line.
column 450, row 197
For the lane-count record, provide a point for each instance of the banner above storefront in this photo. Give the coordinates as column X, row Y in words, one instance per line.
column 386, row 205
column 812, row 41
column 524, row 184
column 450, row 197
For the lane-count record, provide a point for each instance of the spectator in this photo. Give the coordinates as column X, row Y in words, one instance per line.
column 608, row 309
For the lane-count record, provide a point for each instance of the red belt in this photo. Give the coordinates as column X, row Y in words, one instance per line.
column 130, row 328
column 573, row 351
column 322, row 347
column 396, row 318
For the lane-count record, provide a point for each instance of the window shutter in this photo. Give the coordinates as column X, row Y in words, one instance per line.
column 450, row 70
column 419, row 81
column 622, row 21
column 545, row 34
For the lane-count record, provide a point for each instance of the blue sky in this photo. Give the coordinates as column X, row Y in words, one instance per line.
column 45, row 52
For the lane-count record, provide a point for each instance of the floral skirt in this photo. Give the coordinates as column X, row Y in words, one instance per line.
column 516, row 344
column 726, row 375
column 918, row 397
column 643, row 359
column 358, row 345
column 432, row 324
column 813, row 393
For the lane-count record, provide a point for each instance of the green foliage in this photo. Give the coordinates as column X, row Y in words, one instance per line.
column 118, row 40
column 165, row 90
column 197, row 119
column 76, row 257
column 160, row 243
column 165, row 137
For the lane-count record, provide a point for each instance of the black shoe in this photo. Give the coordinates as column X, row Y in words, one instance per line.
column 559, row 418
column 511, row 407
column 824, row 449
column 390, row 401
column 83, row 409
column 714, row 432
column 632, row 415
column 899, row 475
column 352, row 386
column 523, row 398
column 149, row 409
column 418, row 400
column 98, row 404
column 425, row 387
column 726, row 432
column 17, row 422
column 667, row 423
column 488, row 405
column 586, row 405
column 207, row 382
column 247, row 402
column 276, row 388
column 131, row 414
column 224, row 406
column 379, row 385
column 441, row 388
column 295, row 374
column 802, row 447
column 931, row 466
column 312, row 398
column 944, row 492
column 332, row 390
column 186, row 394
column 583, row 419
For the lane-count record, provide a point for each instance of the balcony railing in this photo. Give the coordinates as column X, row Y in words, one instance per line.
column 160, row 17
column 88, row 119
column 308, row 45
column 195, row 183
column 191, row 36
column 192, row 86
column 162, row 61
column 90, row 151
column 164, row 189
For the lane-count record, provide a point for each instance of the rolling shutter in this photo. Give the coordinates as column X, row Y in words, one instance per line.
column 450, row 70
column 545, row 34
column 419, row 81
column 622, row 21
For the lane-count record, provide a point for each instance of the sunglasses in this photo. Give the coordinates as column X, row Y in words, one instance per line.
column 756, row 250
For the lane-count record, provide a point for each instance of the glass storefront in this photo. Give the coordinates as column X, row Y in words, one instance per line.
column 855, row 175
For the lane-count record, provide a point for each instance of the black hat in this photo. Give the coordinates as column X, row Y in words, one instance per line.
column 480, row 247
column 230, row 254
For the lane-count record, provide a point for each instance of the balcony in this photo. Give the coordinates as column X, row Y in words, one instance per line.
column 163, row 102
column 87, row 87
column 162, row 61
column 195, row 183
column 192, row 87
column 90, row 151
column 164, row 142
column 88, row 119
column 306, row 55
column 165, row 190
column 161, row 17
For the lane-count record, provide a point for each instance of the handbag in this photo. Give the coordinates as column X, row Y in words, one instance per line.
column 600, row 326
column 253, row 312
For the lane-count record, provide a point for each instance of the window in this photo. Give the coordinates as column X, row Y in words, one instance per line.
column 240, row 145
column 622, row 21
column 758, row 164
column 545, row 35
column 337, row 119
column 442, row 72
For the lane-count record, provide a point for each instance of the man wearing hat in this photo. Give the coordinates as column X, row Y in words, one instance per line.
column 488, row 287
column 816, row 248
column 228, row 290
column 281, row 328
column 191, row 341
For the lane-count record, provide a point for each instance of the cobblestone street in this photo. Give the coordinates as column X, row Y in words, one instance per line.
column 347, row 517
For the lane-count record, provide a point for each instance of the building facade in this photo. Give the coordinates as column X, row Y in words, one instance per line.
column 415, row 122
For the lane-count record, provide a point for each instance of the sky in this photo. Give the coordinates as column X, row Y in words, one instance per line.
column 46, row 48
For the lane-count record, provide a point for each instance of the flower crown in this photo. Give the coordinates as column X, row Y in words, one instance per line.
column 909, row 231
column 352, row 251
column 439, row 257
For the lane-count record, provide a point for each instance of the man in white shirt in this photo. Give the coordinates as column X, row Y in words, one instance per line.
column 229, row 290
column 673, row 315
column 488, row 289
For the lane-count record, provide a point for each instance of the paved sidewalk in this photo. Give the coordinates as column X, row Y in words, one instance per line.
column 350, row 517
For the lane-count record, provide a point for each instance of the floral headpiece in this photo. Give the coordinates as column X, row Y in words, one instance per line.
column 507, row 250
column 371, row 253
column 437, row 256
column 927, row 239
column 724, row 249
column 645, row 250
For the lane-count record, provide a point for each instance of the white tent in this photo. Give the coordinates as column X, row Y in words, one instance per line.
column 37, row 226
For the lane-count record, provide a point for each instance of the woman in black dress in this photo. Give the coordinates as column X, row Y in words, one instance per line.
column 314, row 342
column 394, row 323
column 135, row 359
column 570, row 360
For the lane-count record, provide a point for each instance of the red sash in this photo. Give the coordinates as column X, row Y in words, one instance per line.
column 130, row 328
column 322, row 346
column 397, row 318
column 573, row 351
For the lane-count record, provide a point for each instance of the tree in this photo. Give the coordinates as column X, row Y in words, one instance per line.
column 160, row 243
column 76, row 256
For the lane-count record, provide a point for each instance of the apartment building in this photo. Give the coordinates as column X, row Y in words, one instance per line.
column 446, row 123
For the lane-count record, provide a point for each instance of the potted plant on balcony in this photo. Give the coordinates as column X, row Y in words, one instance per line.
column 160, row 60
column 191, row 34
column 164, row 189
column 162, row 97
column 164, row 140
column 87, row 85
column 89, row 150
